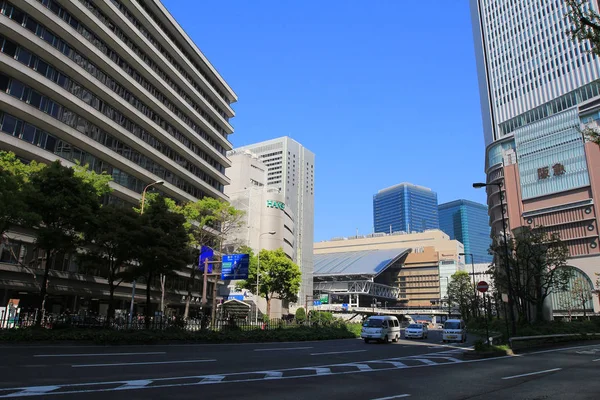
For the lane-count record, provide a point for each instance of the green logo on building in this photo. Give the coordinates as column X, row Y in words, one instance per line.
column 275, row 204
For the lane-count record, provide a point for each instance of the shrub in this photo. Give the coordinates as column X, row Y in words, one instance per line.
column 300, row 315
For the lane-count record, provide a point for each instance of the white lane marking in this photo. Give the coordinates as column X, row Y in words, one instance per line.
column 162, row 382
column 318, row 370
column 213, row 378
column 532, row 373
column 392, row 397
column 283, row 348
column 99, row 354
column 562, row 349
column 33, row 391
column 597, row 359
column 135, row 384
column 361, row 367
column 273, row 374
column 140, row 363
column 337, row 352
column 424, row 361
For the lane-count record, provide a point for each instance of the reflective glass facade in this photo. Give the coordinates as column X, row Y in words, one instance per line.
column 467, row 222
column 405, row 207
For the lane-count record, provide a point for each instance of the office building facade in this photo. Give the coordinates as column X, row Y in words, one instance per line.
column 405, row 208
column 117, row 85
column 539, row 89
column 468, row 222
column 290, row 170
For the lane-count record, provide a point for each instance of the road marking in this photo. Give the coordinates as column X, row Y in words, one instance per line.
column 283, row 348
column 597, row 359
column 99, row 354
column 138, row 384
column 532, row 373
column 361, row 367
column 337, row 352
column 392, row 397
column 139, row 363
column 273, row 374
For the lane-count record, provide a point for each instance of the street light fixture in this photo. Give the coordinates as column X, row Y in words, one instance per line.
column 159, row 182
column 258, row 271
column 479, row 185
column 474, row 284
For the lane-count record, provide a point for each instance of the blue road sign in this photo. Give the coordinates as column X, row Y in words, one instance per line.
column 316, row 302
column 345, row 306
column 205, row 253
column 235, row 266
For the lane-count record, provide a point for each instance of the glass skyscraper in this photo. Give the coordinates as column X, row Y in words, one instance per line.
column 405, row 207
column 467, row 222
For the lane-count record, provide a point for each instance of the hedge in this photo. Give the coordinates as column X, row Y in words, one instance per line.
column 297, row 334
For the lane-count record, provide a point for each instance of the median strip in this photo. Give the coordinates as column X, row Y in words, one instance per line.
column 532, row 373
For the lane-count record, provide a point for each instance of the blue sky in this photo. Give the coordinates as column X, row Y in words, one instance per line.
column 382, row 92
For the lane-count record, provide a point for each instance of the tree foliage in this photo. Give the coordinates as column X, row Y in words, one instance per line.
column 15, row 181
column 537, row 265
column 460, row 293
column 162, row 248
column 65, row 205
column 113, row 237
column 278, row 277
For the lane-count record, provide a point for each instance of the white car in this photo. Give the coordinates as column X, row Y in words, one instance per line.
column 416, row 331
column 454, row 331
column 381, row 328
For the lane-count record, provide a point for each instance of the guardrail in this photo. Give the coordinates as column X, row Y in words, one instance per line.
column 542, row 337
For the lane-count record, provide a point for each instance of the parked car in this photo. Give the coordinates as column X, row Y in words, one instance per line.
column 381, row 328
column 416, row 331
column 454, row 330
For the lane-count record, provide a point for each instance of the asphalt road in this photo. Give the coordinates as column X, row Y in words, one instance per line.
column 339, row 369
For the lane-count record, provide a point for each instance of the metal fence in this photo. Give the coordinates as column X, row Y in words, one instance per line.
column 138, row 322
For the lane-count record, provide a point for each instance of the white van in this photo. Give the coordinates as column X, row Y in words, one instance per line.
column 381, row 328
column 454, row 330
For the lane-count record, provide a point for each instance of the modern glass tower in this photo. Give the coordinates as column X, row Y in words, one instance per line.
column 405, row 207
column 467, row 222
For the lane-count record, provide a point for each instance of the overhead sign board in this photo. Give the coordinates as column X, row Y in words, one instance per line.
column 206, row 253
column 235, row 266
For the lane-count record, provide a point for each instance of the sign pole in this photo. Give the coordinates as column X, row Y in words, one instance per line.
column 205, row 282
column 487, row 330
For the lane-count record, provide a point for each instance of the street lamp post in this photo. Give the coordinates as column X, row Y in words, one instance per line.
column 258, row 273
column 475, row 297
column 508, row 278
column 159, row 182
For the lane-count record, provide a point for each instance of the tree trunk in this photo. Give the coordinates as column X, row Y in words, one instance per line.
column 268, row 308
column 44, row 289
column 584, row 313
column 190, row 284
column 148, row 312
column 111, row 302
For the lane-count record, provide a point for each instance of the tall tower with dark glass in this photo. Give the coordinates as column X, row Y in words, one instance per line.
column 405, row 207
column 467, row 222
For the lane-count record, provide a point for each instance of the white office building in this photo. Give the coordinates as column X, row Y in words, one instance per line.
column 290, row 170
column 268, row 224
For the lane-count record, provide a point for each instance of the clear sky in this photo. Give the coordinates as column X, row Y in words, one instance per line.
column 382, row 91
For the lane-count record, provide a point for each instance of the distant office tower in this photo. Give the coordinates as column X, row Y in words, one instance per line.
column 538, row 89
column 290, row 169
column 467, row 222
column 405, row 207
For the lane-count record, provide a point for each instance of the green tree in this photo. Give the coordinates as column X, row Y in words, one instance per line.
column 460, row 293
column 581, row 293
column 100, row 182
column 65, row 205
column 14, row 181
column 300, row 315
column 162, row 246
column 278, row 276
column 113, row 235
column 537, row 261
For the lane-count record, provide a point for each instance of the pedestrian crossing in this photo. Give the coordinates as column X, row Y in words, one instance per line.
column 451, row 356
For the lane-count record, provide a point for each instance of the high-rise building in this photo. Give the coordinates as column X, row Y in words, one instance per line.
column 117, row 85
column 539, row 88
column 405, row 208
column 290, row 170
column 467, row 222
column 267, row 222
